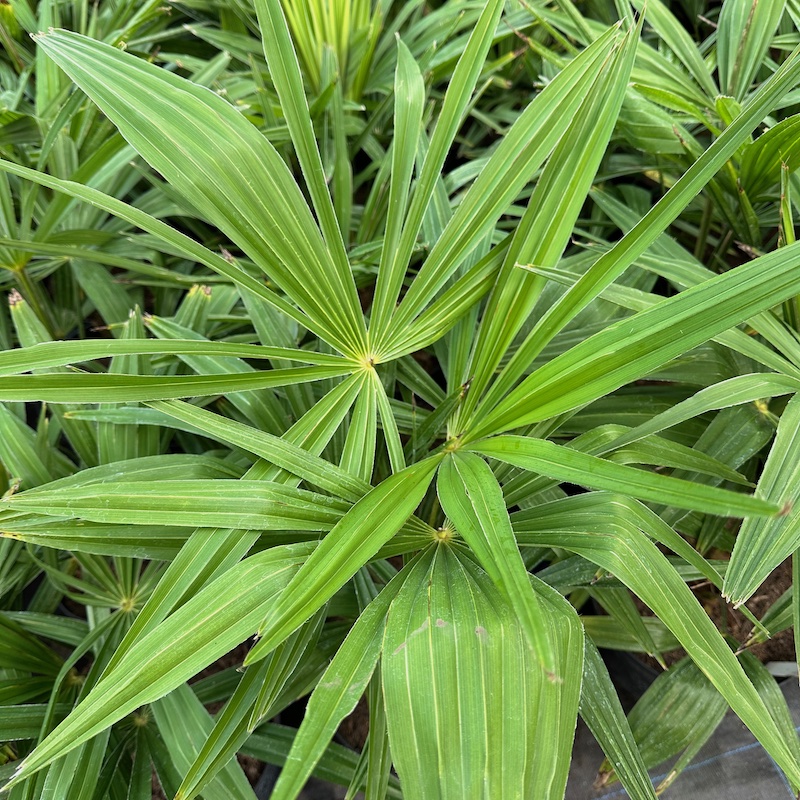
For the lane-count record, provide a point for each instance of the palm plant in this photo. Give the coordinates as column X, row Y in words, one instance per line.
column 339, row 480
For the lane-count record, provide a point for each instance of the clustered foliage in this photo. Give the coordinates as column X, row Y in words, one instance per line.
column 393, row 339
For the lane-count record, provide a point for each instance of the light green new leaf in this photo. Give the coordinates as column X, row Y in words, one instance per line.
column 370, row 523
column 288, row 82
column 566, row 464
column 206, row 627
column 473, row 500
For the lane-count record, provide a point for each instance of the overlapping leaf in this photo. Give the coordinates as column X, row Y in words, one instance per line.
column 234, row 176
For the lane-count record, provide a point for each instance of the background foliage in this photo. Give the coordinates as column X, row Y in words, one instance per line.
column 395, row 340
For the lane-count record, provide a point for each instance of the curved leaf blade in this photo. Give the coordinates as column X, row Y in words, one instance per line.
column 86, row 388
column 603, row 714
column 635, row 346
column 566, row 464
column 761, row 546
column 242, row 504
column 339, row 689
column 473, row 500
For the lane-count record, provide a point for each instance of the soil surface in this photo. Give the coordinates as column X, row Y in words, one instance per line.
column 731, row 621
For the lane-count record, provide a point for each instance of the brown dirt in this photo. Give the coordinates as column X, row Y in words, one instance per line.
column 354, row 728
column 781, row 646
column 732, row 622
column 158, row 793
